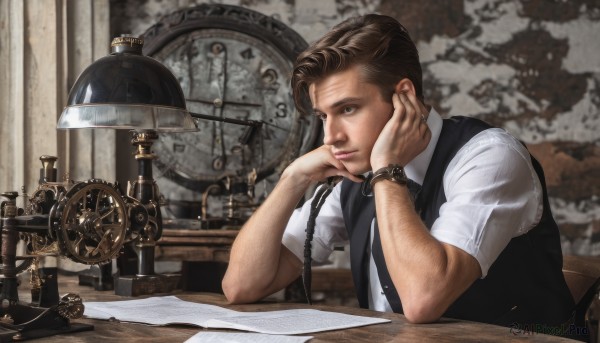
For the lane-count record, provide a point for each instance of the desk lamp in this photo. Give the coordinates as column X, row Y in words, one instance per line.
column 126, row 90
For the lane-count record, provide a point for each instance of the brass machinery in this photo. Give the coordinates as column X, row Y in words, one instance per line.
column 89, row 222
column 79, row 220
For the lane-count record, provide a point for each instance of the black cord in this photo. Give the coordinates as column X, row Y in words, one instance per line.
column 315, row 207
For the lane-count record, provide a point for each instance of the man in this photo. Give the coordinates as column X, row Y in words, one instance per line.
column 477, row 242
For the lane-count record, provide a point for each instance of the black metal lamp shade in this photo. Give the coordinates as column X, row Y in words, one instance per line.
column 126, row 90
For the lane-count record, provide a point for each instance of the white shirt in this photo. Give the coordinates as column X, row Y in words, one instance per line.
column 493, row 195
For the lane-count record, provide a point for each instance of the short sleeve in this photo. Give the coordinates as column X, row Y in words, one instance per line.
column 330, row 230
column 493, row 195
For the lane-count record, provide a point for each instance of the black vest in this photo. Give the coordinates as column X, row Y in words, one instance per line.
column 524, row 285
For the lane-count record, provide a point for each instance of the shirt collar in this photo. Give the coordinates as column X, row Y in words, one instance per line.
column 416, row 169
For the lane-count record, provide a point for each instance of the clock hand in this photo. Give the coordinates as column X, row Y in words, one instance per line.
column 253, row 125
column 247, row 122
column 221, row 72
column 266, row 135
column 190, row 50
column 275, row 126
column 222, row 102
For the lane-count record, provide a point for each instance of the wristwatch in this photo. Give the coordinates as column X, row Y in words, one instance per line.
column 393, row 172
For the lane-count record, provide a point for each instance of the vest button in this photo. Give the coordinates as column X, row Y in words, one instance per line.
column 385, row 287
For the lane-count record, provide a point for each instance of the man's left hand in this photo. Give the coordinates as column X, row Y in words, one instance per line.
column 404, row 136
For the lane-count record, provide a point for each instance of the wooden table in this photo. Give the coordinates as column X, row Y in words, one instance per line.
column 446, row 330
column 195, row 245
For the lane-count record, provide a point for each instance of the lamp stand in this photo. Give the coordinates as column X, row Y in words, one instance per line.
column 146, row 221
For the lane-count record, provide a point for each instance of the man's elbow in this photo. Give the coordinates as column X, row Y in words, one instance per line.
column 230, row 292
column 422, row 312
column 235, row 292
column 421, row 316
column 235, row 298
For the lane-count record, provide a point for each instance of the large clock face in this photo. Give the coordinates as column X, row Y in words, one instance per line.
column 230, row 74
column 230, row 63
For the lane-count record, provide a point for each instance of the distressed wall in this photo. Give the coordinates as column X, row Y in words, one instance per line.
column 529, row 66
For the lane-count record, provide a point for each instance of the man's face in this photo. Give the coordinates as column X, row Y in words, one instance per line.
column 353, row 113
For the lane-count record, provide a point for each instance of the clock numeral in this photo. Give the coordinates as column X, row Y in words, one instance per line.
column 281, row 110
column 247, row 54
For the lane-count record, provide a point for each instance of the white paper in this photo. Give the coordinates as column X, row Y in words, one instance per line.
column 172, row 310
column 291, row 322
column 157, row 311
column 236, row 337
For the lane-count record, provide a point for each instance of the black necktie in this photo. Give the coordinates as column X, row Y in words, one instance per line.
column 315, row 207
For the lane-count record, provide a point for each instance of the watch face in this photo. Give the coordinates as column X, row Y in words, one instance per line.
column 397, row 172
column 231, row 63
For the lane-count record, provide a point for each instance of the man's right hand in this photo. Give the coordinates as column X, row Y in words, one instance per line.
column 259, row 264
column 317, row 165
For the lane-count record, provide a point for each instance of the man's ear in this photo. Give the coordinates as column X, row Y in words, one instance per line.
column 405, row 86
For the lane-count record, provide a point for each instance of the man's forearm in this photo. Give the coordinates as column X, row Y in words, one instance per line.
column 427, row 274
column 258, row 265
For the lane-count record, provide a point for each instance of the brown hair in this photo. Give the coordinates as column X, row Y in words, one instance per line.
column 379, row 43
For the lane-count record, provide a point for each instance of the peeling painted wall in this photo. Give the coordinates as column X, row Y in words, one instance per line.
column 529, row 66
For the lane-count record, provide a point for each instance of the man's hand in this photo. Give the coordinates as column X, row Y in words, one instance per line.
column 404, row 136
column 254, row 273
column 318, row 165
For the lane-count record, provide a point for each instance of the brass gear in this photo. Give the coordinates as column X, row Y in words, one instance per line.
column 90, row 222
column 70, row 306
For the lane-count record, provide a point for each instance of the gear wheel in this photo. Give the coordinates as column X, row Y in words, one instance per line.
column 90, row 222
column 70, row 306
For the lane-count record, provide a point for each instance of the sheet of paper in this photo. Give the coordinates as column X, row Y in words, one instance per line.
column 292, row 322
column 172, row 310
column 156, row 311
column 237, row 337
